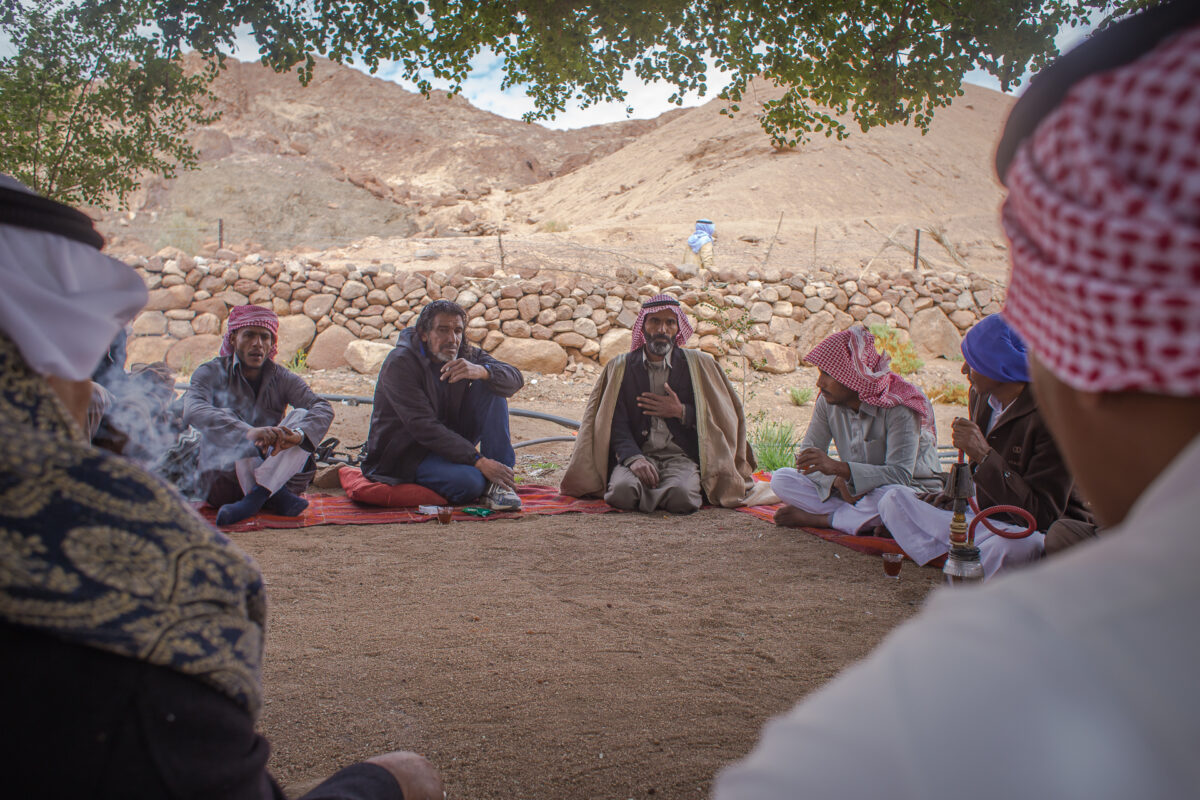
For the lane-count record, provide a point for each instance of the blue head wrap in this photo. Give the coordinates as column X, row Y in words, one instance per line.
column 994, row 349
column 702, row 236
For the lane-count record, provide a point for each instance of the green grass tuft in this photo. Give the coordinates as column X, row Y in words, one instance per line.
column 774, row 445
column 801, row 397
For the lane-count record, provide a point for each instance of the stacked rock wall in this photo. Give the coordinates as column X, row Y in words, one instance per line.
column 545, row 321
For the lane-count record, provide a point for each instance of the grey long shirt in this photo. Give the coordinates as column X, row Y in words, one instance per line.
column 882, row 446
column 222, row 405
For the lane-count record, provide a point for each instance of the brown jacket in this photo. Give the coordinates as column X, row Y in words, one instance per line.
column 1024, row 467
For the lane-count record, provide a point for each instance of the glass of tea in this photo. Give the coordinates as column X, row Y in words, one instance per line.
column 892, row 563
column 445, row 513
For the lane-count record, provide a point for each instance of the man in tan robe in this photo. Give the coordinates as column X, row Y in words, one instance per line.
column 664, row 428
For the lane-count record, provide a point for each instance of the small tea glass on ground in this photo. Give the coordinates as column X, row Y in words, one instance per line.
column 444, row 514
column 891, row 564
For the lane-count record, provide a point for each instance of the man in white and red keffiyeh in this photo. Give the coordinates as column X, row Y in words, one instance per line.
column 882, row 426
column 1075, row 677
column 663, row 428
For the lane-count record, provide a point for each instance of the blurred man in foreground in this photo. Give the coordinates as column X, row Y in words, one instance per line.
column 131, row 632
column 1076, row 677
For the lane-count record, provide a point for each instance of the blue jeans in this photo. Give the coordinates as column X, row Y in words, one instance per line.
column 485, row 424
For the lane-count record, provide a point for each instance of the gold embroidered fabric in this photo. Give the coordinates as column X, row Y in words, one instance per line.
column 95, row 551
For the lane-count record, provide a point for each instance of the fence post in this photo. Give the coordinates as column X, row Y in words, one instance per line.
column 917, row 251
column 220, row 233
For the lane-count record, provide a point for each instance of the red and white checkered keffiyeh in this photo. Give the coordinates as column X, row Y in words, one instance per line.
column 245, row 317
column 1103, row 215
column 654, row 305
column 850, row 358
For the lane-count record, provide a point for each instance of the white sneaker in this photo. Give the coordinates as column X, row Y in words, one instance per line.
column 499, row 498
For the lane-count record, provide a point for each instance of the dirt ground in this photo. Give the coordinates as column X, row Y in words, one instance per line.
column 570, row 656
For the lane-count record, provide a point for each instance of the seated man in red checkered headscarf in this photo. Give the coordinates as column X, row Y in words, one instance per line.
column 884, row 431
column 254, row 452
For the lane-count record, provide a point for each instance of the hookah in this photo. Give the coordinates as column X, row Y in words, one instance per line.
column 963, row 564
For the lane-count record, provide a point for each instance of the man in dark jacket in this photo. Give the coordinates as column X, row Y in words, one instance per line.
column 436, row 399
column 251, row 455
column 1013, row 457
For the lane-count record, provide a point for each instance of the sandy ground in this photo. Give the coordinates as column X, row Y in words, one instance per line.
column 605, row 656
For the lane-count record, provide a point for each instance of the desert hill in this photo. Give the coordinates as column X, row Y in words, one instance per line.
column 356, row 162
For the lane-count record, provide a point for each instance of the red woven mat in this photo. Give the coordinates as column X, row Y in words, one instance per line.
column 876, row 545
column 324, row 509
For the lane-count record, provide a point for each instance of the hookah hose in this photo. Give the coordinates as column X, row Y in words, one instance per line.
column 982, row 517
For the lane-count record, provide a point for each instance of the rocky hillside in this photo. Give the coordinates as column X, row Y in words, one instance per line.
column 353, row 163
column 346, row 157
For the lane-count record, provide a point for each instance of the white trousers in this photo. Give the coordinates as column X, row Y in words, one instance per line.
column 274, row 472
column 923, row 532
column 797, row 489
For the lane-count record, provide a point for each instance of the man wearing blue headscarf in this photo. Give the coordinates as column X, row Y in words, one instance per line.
column 1013, row 459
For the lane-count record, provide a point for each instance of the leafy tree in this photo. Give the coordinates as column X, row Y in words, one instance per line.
column 99, row 85
column 89, row 100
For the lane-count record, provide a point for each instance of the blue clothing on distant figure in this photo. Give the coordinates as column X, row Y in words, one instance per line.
column 705, row 231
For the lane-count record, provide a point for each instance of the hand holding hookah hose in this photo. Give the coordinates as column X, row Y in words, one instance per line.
column 982, row 517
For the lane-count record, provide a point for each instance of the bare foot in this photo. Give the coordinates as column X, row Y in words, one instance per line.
column 792, row 517
column 418, row 778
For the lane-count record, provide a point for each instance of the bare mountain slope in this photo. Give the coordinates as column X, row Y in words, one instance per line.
column 351, row 157
column 702, row 164
column 346, row 157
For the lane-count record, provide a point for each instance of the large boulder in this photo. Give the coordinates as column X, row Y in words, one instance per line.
column 296, row 333
column 149, row 323
column 166, row 299
column 771, row 357
column 146, row 349
column 189, row 353
column 934, row 335
column 206, row 323
column 329, row 348
column 613, row 343
column 367, row 357
column 534, row 355
column 318, row 305
column 212, row 305
column 812, row 331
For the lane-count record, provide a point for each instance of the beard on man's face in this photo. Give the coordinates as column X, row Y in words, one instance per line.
column 659, row 345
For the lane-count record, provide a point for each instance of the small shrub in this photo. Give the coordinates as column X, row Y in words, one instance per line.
column 774, row 445
column 553, row 226
column 800, row 397
column 950, row 392
column 298, row 362
column 904, row 355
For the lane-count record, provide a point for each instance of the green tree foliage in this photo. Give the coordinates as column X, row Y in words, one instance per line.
column 89, row 100
column 879, row 61
column 98, row 84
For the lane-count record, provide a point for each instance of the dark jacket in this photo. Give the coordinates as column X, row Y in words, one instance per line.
column 84, row 722
column 222, row 405
column 1024, row 467
column 408, row 421
column 631, row 426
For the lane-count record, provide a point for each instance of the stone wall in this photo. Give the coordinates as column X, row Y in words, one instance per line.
column 544, row 321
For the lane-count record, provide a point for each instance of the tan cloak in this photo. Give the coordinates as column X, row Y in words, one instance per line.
column 726, row 460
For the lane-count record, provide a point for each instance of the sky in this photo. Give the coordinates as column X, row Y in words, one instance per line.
column 482, row 89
